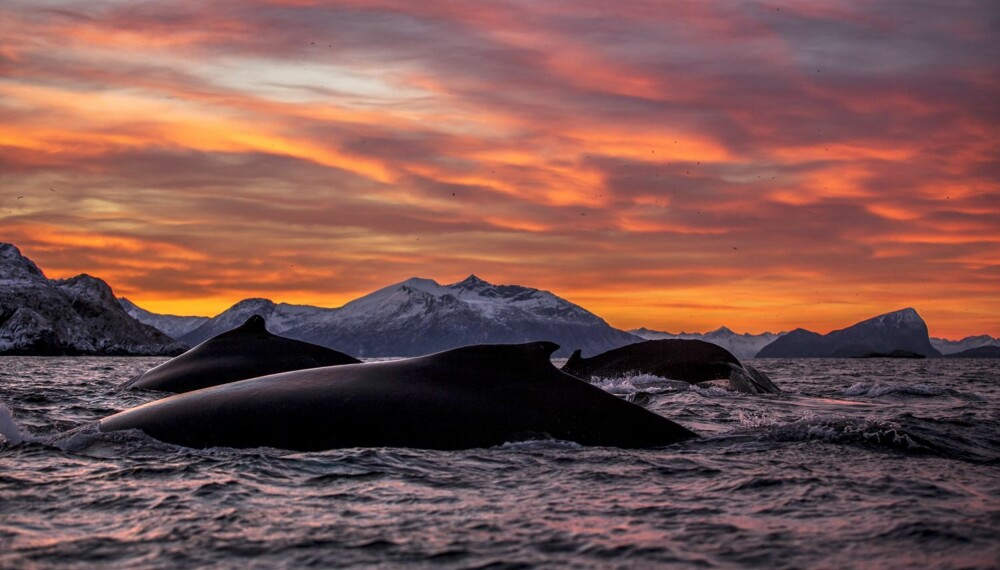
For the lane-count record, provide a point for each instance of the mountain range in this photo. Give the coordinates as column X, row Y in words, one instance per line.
column 742, row 346
column 173, row 325
column 420, row 316
column 75, row 316
column 748, row 345
column 947, row 347
column 901, row 330
column 80, row 315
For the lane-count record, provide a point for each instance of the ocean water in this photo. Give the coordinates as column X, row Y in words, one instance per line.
column 859, row 464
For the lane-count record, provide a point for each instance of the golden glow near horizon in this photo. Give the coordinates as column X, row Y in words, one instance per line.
column 673, row 165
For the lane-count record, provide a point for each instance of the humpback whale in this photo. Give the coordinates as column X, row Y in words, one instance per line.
column 475, row 396
column 692, row 361
column 247, row 351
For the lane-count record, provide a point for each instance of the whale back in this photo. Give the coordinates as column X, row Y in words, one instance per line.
column 246, row 351
column 477, row 396
column 688, row 360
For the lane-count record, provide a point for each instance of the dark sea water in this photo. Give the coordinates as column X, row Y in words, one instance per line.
column 860, row 463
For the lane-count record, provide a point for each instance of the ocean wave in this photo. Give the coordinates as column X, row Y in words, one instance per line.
column 905, row 434
column 539, row 444
column 877, row 389
column 874, row 433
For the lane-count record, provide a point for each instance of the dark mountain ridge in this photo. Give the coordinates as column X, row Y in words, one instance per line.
column 901, row 330
column 75, row 316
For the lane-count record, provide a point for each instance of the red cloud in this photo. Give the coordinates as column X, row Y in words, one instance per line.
column 675, row 165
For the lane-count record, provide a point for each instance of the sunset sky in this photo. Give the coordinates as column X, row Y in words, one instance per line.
column 674, row 165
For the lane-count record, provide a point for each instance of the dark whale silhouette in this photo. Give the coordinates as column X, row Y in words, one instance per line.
column 475, row 396
column 692, row 361
column 247, row 351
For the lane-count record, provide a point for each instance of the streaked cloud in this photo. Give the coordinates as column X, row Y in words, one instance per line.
column 675, row 165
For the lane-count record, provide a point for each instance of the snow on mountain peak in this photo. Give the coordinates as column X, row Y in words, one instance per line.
column 471, row 281
column 253, row 303
column 14, row 266
column 91, row 288
column 79, row 315
column 907, row 317
column 419, row 315
column 423, row 296
column 418, row 283
column 721, row 331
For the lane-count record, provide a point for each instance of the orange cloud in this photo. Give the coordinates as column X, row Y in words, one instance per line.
column 680, row 166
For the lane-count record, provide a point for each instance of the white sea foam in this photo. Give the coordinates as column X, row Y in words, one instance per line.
column 638, row 382
column 844, row 430
column 756, row 420
column 875, row 389
column 713, row 389
column 9, row 430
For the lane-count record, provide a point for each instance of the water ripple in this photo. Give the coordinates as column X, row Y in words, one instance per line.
column 858, row 463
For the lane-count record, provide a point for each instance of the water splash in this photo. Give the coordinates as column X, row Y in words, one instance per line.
column 10, row 432
column 637, row 383
column 750, row 420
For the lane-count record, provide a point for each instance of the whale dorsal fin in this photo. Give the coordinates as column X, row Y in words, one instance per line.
column 253, row 325
column 573, row 361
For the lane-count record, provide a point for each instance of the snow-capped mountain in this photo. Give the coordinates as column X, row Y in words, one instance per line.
column 79, row 315
column 742, row 346
column 173, row 326
column 420, row 316
column 280, row 318
column 955, row 346
column 898, row 330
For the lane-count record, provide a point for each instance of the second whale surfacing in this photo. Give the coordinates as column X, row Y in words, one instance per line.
column 246, row 351
column 692, row 361
column 475, row 396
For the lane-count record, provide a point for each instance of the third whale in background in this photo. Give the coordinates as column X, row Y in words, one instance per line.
column 246, row 351
column 691, row 361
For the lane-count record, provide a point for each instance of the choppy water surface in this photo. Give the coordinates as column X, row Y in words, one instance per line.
column 861, row 463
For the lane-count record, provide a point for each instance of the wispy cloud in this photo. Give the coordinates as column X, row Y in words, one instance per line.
column 668, row 164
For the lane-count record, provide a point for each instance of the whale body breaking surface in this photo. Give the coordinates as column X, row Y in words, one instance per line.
column 689, row 360
column 247, row 351
column 475, row 396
